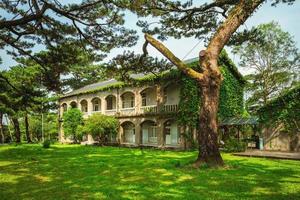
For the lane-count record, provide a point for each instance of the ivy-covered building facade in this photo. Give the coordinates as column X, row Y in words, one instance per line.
column 155, row 110
column 280, row 120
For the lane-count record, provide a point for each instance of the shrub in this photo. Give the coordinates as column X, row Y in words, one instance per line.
column 233, row 145
column 101, row 127
column 46, row 144
column 72, row 120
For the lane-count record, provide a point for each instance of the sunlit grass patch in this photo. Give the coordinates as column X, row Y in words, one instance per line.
column 87, row 172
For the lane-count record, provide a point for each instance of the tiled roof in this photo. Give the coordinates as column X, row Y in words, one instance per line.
column 110, row 82
column 99, row 85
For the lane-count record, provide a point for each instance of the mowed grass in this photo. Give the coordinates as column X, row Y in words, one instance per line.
column 85, row 172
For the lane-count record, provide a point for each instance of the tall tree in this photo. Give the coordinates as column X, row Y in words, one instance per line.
column 20, row 92
column 96, row 23
column 274, row 60
column 205, row 21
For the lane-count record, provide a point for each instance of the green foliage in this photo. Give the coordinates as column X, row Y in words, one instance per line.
column 189, row 103
column 231, row 94
column 233, row 145
column 100, row 126
column 50, row 126
column 283, row 109
column 72, row 119
column 98, row 25
column 274, row 59
column 46, row 144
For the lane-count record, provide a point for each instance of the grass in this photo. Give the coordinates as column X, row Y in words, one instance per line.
column 82, row 172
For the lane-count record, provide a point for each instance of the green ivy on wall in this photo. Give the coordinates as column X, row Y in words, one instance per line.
column 283, row 109
column 231, row 92
column 231, row 102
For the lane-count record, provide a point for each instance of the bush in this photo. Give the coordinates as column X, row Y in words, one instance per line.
column 101, row 127
column 46, row 144
column 233, row 145
column 72, row 120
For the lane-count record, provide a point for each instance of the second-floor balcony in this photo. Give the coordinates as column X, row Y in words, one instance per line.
column 150, row 100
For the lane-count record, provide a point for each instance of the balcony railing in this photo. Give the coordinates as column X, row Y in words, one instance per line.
column 170, row 108
column 110, row 112
column 127, row 111
column 149, row 109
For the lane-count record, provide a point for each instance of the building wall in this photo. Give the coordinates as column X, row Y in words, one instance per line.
column 137, row 114
column 276, row 139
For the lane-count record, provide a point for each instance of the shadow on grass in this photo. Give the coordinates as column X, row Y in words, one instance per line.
column 78, row 172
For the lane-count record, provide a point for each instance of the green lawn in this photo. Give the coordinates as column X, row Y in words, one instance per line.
column 80, row 172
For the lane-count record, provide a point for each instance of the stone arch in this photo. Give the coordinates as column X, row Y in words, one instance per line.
column 96, row 104
column 149, row 96
column 84, row 105
column 149, row 132
column 73, row 104
column 171, row 132
column 171, row 93
column 128, row 132
column 64, row 107
column 111, row 102
column 128, row 99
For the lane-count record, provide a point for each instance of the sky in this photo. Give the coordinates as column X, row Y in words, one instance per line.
column 288, row 18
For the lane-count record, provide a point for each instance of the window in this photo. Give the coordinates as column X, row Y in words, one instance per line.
column 128, row 100
column 110, row 102
column 144, row 101
column 65, row 107
column 96, row 105
column 73, row 104
column 84, row 106
column 165, row 94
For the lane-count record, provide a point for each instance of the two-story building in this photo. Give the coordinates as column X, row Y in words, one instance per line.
column 146, row 109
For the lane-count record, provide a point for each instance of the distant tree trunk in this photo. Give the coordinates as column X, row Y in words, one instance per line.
column 17, row 129
column 1, row 128
column 27, row 128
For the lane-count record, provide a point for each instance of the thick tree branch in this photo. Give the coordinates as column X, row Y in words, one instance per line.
column 25, row 19
column 237, row 16
column 173, row 59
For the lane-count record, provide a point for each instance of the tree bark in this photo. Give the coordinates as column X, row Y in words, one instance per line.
column 17, row 129
column 207, row 134
column 27, row 129
column 210, row 79
column 1, row 128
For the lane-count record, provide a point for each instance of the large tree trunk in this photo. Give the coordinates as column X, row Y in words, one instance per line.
column 17, row 129
column 1, row 128
column 27, row 129
column 210, row 78
column 208, row 128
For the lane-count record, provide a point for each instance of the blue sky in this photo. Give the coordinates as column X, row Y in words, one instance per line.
column 287, row 16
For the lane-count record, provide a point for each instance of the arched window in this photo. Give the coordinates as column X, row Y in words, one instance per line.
column 128, row 132
column 127, row 100
column 110, row 102
column 84, row 105
column 96, row 104
column 144, row 99
column 73, row 104
column 149, row 133
column 171, row 132
column 171, row 94
column 64, row 107
column 149, row 96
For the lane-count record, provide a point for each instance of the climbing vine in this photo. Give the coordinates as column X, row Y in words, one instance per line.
column 231, row 94
column 283, row 109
